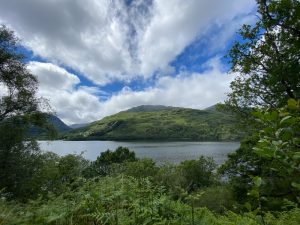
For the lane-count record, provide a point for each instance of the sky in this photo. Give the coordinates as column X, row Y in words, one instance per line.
column 94, row 58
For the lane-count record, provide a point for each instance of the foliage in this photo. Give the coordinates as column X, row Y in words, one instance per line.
column 46, row 178
column 19, row 86
column 169, row 176
column 218, row 199
column 71, row 166
column 17, row 160
column 103, row 165
column 19, row 107
column 265, row 62
column 241, row 166
column 279, row 144
column 142, row 168
column 271, row 155
column 123, row 200
column 267, row 58
column 264, row 172
column 167, row 123
column 161, row 198
column 197, row 173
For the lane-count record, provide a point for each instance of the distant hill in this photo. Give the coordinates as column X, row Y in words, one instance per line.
column 148, row 122
column 78, row 125
column 211, row 108
column 57, row 123
column 149, row 108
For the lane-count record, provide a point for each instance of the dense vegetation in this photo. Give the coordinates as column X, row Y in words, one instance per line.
column 160, row 123
column 118, row 188
column 259, row 184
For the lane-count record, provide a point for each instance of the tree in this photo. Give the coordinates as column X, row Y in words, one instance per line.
column 19, row 107
column 267, row 64
column 17, row 83
column 17, row 160
column 267, row 59
column 279, row 146
column 103, row 163
column 71, row 166
column 197, row 173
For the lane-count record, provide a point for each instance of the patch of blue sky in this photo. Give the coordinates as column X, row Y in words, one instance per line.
column 196, row 55
column 193, row 59
column 30, row 56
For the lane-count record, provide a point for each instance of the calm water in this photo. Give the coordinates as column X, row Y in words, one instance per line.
column 173, row 152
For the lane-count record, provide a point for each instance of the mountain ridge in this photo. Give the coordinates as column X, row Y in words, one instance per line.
column 148, row 108
column 53, row 121
column 157, row 122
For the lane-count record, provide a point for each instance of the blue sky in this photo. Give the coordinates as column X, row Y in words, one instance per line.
column 94, row 58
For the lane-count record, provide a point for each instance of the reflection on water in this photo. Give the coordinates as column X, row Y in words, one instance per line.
column 173, row 152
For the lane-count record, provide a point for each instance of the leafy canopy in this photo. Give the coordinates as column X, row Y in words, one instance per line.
column 19, row 107
column 267, row 59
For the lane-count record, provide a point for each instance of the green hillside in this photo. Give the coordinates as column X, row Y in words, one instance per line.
column 52, row 121
column 160, row 123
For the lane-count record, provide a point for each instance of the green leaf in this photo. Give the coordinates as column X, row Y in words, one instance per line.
column 273, row 116
column 254, row 193
column 257, row 114
column 296, row 185
column 287, row 134
column 257, row 181
column 285, row 120
column 292, row 104
column 248, row 206
column 264, row 152
column 296, row 155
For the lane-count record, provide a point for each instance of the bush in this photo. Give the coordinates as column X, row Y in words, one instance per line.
column 141, row 169
column 125, row 200
column 169, row 176
column 218, row 199
column 197, row 173
column 103, row 164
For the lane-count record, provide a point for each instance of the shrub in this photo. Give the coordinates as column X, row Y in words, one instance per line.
column 197, row 173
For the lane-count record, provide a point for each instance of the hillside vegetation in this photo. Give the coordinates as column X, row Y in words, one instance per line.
column 52, row 123
column 160, row 123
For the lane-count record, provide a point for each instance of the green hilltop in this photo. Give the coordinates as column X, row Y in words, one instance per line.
column 156, row 122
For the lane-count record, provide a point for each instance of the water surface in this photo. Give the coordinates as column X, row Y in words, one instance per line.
column 173, row 152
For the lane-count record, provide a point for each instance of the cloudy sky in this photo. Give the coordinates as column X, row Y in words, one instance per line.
column 94, row 58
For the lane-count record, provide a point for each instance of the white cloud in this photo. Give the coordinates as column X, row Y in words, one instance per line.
column 57, row 85
column 78, row 105
column 52, row 76
column 175, row 25
column 3, row 90
column 196, row 90
column 108, row 40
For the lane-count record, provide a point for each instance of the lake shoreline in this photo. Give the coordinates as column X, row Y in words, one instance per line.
column 173, row 152
column 145, row 140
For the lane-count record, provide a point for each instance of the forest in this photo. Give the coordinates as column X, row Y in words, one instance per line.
column 258, row 184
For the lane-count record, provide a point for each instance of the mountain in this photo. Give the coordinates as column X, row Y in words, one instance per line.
column 59, row 125
column 78, row 125
column 149, row 108
column 149, row 122
column 212, row 108
column 52, row 120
